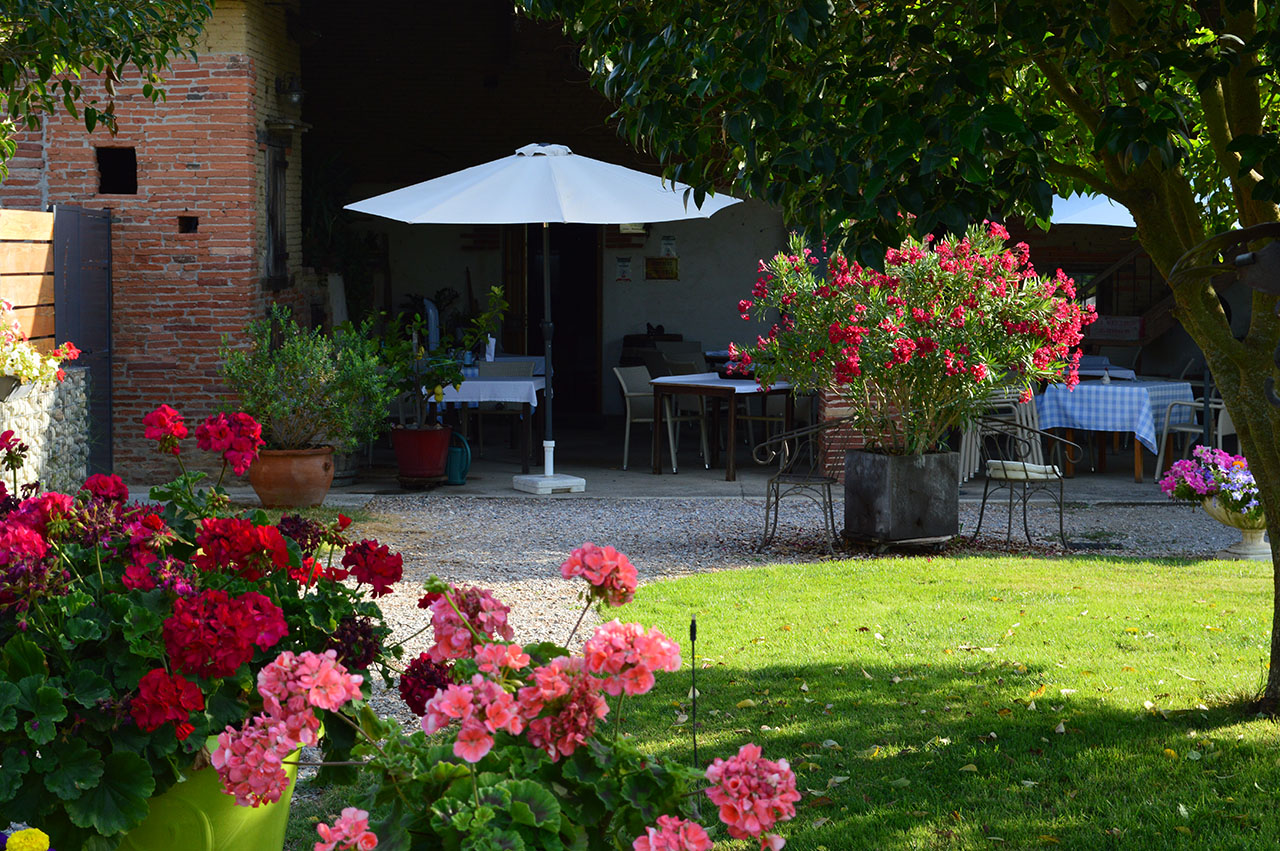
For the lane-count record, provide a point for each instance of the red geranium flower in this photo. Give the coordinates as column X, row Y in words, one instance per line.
column 374, row 564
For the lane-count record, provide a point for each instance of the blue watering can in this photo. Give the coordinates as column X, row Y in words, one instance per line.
column 458, row 462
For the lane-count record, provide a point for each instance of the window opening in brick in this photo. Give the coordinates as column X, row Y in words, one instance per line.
column 117, row 171
column 277, row 235
column 188, row 224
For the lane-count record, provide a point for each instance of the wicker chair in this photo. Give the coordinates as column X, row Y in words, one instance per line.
column 1008, row 447
column 801, row 472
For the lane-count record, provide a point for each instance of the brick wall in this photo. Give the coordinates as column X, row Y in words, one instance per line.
column 201, row 156
column 835, row 441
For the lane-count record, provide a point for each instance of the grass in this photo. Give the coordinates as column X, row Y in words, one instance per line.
column 977, row 702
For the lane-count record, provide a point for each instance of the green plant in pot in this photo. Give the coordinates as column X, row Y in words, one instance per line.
column 305, row 389
column 913, row 353
column 420, row 377
column 365, row 390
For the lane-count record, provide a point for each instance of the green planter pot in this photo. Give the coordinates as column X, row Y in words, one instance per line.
column 196, row 815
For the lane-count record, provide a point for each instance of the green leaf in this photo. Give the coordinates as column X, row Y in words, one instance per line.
column 13, row 767
column 71, row 768
column 533, row 805
column 8, row 706
column 23, row 658
column 44, row 702
column 87, row 688
column 119, row 801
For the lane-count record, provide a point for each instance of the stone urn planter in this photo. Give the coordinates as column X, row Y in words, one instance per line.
column 1252, row 544
column 901, row 498
column 288, row 478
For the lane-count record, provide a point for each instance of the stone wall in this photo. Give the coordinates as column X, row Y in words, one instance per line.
column 53, row 420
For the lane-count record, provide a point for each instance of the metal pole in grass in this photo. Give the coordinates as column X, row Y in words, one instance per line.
column 693, row 682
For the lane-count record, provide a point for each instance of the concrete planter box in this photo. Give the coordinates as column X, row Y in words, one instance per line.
column 890, row 498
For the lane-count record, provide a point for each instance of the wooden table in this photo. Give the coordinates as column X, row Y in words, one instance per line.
column 1133, row 406
column 712, row 387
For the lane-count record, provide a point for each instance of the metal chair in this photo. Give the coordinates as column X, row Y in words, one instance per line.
column 637, row 395
column 801, row 472
column 1194, row 430
column 499, row 369
column 1007, row 446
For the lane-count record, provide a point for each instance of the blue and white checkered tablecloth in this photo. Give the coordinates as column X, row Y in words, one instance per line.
column 1136, row 406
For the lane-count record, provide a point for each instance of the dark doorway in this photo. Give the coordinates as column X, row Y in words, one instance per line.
column 575, row 310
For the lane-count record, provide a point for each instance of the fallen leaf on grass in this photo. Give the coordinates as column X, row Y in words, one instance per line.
column 1182, row 828
column 1171, row 753
column 833, row 744
column 969, row 767
column 1060, row 729
column 819, row 822
column 835, row 781
column 1050, row 840
column 746, row 704
column 820, row 801
column 900, row 783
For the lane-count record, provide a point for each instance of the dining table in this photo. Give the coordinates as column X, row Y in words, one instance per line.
column 714, row 388
column 1138, row 407
column 513, row 390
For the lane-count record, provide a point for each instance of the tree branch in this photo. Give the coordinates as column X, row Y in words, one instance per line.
column 1068, row 93
column 1097, row 182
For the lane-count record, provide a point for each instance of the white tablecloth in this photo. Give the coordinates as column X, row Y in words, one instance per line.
column 515, row 390
column 711, row 379
column 1136, row 406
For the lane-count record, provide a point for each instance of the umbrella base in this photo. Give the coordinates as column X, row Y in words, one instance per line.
column 556, row 483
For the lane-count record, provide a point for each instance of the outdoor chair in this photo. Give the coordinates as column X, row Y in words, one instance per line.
column 1007, row 446
column 499, row 369
column 1001, row 404
column 637, row 395
column 801, row 472
column 1194, row 431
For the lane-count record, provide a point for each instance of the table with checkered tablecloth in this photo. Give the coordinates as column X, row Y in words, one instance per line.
column 1134, row 406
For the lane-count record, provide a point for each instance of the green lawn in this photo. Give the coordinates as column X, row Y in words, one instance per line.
column 985, row 702
column 979, row 702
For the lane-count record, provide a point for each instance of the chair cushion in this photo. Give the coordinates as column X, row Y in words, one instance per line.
column 1019, row 471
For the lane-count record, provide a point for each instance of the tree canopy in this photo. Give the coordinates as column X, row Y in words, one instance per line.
column 849, row 115
column 46, row 45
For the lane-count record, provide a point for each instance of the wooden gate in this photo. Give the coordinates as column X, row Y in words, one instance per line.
column 55, row 269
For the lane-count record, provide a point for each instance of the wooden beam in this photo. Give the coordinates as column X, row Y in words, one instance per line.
column 26, row 290
column 35, row 321
column 26, row 258
column 26, row 225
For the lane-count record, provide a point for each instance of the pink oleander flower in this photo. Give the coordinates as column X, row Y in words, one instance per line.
column 486, row 614
column 673, row 834
column 611, row 574
column 626, row 656
column 495, row 657
column 571, row 696
column 752, row 793
column 350, row 831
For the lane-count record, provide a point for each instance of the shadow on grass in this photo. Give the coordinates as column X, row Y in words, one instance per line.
column 962, row 754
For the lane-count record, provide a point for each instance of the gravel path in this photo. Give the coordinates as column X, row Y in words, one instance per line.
column 514, row 547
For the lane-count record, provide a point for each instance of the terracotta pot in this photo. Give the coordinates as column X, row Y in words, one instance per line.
column 285, row 478
column 421, row 453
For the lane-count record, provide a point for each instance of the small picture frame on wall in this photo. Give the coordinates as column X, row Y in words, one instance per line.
column 662, row 268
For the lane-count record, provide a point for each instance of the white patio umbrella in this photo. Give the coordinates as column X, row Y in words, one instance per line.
column 543, row 183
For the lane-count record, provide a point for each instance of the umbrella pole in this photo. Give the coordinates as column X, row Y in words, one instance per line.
column 548, row 439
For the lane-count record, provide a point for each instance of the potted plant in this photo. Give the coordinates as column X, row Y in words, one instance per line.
column 1223, row 485
column 421, row 448
column 22, row 365
column 130, row 634
column 364, row 390
column 519, row 747
column 303, row 389
column 913, row 352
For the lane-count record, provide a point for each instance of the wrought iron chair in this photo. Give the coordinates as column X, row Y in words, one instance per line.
column 1009, row 448
column 801, row 472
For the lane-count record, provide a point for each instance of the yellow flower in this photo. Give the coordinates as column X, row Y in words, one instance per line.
column 28, row 840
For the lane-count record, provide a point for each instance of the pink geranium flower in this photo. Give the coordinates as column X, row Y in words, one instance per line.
column 612, row 576
column 753, row 794
column 673, row 834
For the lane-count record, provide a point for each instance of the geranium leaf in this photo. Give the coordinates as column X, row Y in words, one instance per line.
column 72, row 768
column 119, row 801
column 88, row 688
column 544, row 651
column 13, row 765
column 44, row 702
column 533, row 805
column 84, row 628
column 23, row 658
column 8, row 706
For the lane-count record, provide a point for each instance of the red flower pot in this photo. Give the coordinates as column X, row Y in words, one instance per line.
column 421, row 453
